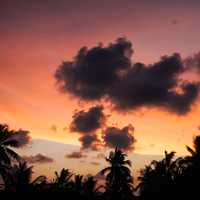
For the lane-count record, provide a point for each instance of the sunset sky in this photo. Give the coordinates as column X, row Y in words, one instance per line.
column 37, row 36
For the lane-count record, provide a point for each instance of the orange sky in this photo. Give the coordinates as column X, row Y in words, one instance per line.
column 36, row 37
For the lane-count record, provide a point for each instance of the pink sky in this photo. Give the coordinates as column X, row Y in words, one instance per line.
column 36, row 37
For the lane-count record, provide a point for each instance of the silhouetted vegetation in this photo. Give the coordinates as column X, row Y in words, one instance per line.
column 171, row 177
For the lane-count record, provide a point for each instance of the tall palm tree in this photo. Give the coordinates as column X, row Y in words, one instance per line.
column 7, row 141
column 119, row 181
column 188, row 182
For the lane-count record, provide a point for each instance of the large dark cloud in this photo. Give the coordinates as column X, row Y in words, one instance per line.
column 121, row 138
column 94, row 70
column 76, row 155
column 107, row 72
column 155, row 85
column 38, row 158
column 88, row 121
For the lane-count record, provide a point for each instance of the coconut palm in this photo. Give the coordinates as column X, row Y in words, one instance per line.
column 119, row 182
column 157, row 180
column 19, row 178
column 90, row 188
column 190, row 165
column 62, row 182
column 6, row 141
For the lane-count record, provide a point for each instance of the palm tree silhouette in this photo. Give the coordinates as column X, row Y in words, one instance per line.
column 157, row 180
column 187, row 183
column 90, row 189
column 62, row 182
column 7, row 141
column 119, row 182
column 19, row 178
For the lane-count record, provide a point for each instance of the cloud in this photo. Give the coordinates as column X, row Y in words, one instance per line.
column 108, row 72
column 156, row 85
column 100, row 156
column 94, row 163
column 38, row 158
column 54, row 128
column 122, row 138
column 76, row 155
column 20, row 138
column 88, row 121
column 193, row 62
column 90, row 141
column 92, row 72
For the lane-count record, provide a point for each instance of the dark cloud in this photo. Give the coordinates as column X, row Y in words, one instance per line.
column 20, row 138
column 156, row 85
column 88, row 121
column 38, row 158
column 76, row 155
column 122, row 138
column 193, row 62
column 93, row 71
column 107, row 72
column 90, row 141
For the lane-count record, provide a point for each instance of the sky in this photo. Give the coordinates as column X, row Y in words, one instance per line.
column 36, row 37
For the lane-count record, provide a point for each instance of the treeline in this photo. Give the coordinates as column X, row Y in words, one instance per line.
column 169, row 178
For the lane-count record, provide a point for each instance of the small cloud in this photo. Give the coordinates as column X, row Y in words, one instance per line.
column 100, row 156
column 122, row 138
column 65, row 128
column 88, row 121
column 38, row 158
column 95, row 163
column 54, row 128
column 76, row 155
column 90, row 142
column 175, row 21
column 152, row 145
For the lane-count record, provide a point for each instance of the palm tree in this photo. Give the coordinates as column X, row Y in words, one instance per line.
column 18, row 178
column 6, row 141
column 77, row 186
column 157, row 180
column 84, row 187
column 62, row 182
column 196, row 144
column 188, row 182
column 78, row 183
column 90, row 188
column 119, row 182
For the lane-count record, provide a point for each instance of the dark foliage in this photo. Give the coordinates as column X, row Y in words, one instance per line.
column 169, row 178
